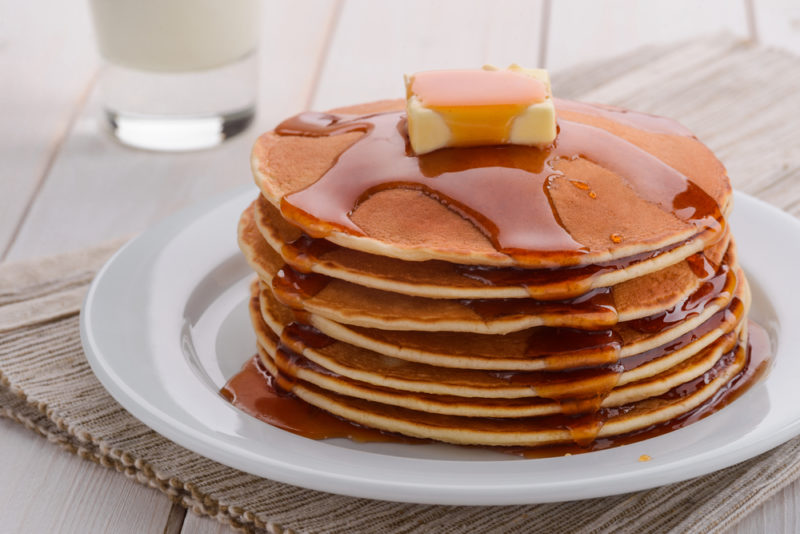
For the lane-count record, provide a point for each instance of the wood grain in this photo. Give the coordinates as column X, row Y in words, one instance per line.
column 778, row 23
column 46, row 72
column 779, row 515
column 175, row 519
column 583, row 31
column 46, row 489
column 194, row 524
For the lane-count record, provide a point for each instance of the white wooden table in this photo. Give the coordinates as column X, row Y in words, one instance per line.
column 64, row 184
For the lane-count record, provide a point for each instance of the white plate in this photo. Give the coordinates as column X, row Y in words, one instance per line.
column 165, row 324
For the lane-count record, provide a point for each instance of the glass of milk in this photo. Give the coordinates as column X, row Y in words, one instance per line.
column 178, row 74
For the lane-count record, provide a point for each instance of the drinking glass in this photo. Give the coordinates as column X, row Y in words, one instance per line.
column 177, row 74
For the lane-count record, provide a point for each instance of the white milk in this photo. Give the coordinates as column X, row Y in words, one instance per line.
column 175, row 35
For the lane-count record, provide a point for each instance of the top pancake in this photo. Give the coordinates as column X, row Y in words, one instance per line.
column 656, row 187
column 441, row 279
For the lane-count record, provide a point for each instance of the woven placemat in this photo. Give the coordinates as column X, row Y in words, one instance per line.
column 742, row 100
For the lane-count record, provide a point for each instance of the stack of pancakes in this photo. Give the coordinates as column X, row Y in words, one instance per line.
column 503, row 296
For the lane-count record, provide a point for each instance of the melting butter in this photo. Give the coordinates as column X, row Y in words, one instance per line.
column 489, row 106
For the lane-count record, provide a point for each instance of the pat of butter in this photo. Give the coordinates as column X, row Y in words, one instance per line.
column 489, row 106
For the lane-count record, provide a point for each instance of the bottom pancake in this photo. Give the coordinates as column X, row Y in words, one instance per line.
column 523, row 432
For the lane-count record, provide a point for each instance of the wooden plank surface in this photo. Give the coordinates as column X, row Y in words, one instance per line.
column 46, row 489
column 582, row 31
column 194, row 524
column 85, row 188
column 778, row 23
column 779, row 515
column 45, row 73
column 94, row 189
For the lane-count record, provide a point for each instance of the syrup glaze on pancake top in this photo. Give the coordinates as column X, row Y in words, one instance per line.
column 583, row 293
column 605, row 190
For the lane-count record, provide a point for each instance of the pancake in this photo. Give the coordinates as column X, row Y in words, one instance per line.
column 589, row 213
column 526, row 431
column 357, row 305
column 505, row 296
column 441, row 279
column 514, row 407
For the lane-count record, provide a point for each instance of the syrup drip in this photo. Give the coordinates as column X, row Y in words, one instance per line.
column 701, row 267
column 298, row 334
column 732, row 314
column 758, row 354
column 570, row 348
column 289, row 362
column 292, row 287
column 709, row 289
column 305, row 251
column 590, row 385
column 598, row 302
column 580, row 278
column 584, row 430
column 503, row 190
column 546, row 341
column 579, row 391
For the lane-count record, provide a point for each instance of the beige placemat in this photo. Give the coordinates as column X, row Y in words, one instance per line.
column 742, row 100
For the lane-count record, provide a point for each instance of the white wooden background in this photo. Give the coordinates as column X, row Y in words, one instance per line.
column 64, row 184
